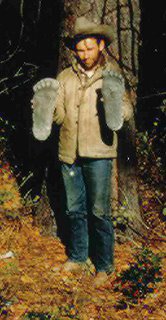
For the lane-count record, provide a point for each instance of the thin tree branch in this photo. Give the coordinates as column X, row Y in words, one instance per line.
column 39, row 9
column 152, row 95
column 104, row 11
column 17, row 49
column 132, row 37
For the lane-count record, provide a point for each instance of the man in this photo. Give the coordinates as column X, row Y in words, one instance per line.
column 88, row 144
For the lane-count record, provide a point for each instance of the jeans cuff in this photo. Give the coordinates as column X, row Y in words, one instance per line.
column 108, row 270
column 77, row 261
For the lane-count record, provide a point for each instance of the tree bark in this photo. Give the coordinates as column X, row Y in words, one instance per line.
column 124, row 16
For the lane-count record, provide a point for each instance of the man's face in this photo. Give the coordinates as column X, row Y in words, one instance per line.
column 88, row 52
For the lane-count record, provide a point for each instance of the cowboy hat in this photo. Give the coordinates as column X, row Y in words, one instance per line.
column 83, row 28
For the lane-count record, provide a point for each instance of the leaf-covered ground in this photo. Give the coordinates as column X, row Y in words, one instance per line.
column 32, row 288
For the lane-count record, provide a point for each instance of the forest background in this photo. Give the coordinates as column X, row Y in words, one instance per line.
column 29, row 51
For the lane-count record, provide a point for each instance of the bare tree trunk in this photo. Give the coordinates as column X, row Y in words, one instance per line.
column 124, row 16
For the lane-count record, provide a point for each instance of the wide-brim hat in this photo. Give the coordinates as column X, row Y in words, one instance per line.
column 83, row 28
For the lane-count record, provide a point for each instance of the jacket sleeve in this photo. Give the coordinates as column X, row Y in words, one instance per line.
column 59, row 112
column 127, row 107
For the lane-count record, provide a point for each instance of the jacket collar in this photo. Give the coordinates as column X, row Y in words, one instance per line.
column 95, row 76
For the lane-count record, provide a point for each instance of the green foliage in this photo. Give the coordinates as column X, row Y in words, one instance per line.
column 150, row 149
column 67, row 311
column 37, row 316
column 121, row 220
column 4, row 304
column 139, row 279
column 5, row 129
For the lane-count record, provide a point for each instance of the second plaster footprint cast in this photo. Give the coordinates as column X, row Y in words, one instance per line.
column 43, row 106
column 113, row 90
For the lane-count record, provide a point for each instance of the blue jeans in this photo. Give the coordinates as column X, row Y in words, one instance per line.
column 87, row 185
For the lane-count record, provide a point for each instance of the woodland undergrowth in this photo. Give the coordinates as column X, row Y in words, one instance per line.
column 31, row 286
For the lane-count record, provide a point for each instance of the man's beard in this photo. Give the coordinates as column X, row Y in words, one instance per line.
column 91, row 66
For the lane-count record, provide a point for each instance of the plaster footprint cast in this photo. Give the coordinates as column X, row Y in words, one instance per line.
column 43, row 105
column 112, row 90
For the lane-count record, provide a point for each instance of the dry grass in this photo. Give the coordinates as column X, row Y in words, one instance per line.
column 29, row 282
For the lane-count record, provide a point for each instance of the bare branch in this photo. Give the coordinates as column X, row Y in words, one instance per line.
column 8, row 83
column 104, row 11
column 17, row 49
column 39, row 10
column 6, row 90
column 153, row 95
column 22, row 8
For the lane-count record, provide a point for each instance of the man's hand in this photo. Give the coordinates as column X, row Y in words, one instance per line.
column 113, row 90
column 43, row 105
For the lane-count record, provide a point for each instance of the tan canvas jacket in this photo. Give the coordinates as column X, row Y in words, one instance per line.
column 79, row 110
